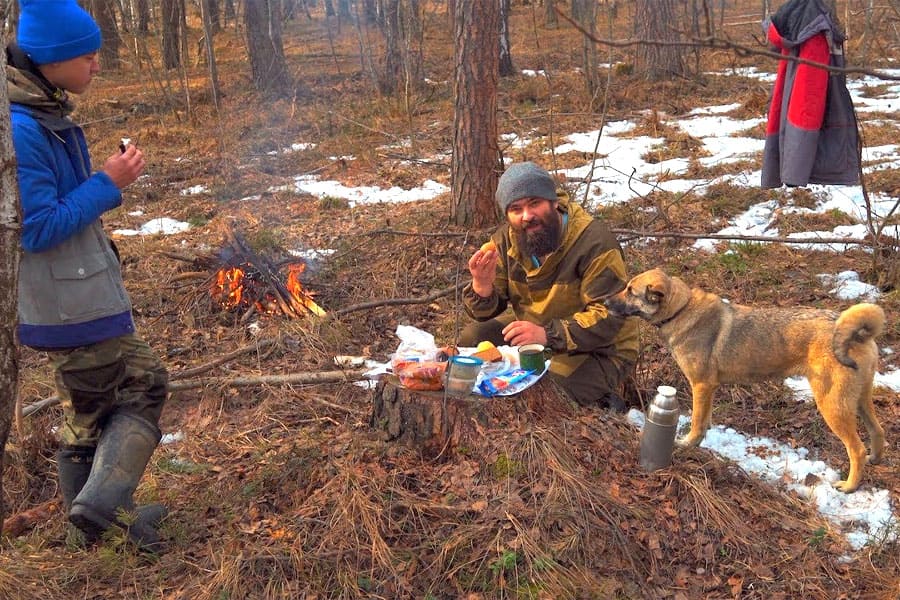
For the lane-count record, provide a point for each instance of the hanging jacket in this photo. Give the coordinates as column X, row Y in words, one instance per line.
column 70, row 288
column 565, row 293
column 811, row 132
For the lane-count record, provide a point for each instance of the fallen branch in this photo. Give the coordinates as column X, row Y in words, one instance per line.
column 401, row 301
column 26, row 520
column 630, row 232
column 193, row 371
column 308, row 378
column 190, row 275
column 297, row 378
column 741, row 238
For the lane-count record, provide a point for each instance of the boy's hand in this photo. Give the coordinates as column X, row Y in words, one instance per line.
column 125, row 167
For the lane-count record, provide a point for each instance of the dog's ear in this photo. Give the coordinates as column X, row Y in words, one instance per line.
column 653, row 296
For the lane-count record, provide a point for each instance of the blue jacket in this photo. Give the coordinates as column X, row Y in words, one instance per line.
column 70, row 283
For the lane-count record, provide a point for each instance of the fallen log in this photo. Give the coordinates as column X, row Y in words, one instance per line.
column 438, row 423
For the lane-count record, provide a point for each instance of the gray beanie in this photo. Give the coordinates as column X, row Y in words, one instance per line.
column 524, row 180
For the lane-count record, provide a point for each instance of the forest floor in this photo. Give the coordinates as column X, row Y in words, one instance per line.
column 287, row 491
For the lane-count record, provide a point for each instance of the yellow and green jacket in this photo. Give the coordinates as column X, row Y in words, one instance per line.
column 564, row 294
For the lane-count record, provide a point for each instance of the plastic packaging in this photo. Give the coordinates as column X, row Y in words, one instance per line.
column 498, row 382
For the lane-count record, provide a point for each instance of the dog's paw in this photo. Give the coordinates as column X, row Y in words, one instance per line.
column 873, row 459
column 844, row 486
column 688, row 441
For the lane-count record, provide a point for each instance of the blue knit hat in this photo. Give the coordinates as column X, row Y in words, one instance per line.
column 56, row 30
column 524, row 180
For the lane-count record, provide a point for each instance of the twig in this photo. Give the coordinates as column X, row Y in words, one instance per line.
column 179, row 256
column 193, row 371
column 722, row 44
column 189, row 275
column 743, row 238
column 399, row 301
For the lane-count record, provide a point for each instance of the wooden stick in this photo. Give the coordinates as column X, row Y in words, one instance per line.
column 193, row 371
column 295, row 378
column 190, row 275
column 310, row 378
column 26, row 520
column 400, row 301
column 276, row 287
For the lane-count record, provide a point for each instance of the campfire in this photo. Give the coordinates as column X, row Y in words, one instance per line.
column 250, row 283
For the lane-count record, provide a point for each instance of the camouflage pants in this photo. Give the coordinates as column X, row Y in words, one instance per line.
column 118, row 375
column 590, row 384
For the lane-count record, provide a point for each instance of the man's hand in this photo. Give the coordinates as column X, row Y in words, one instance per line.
column 525, row 332
column 483, row 267
column 124, row 167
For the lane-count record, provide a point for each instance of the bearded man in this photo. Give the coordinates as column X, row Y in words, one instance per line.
column 545, row 283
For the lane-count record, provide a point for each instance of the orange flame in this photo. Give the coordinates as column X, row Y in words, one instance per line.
column 298, row 292
column 233, row 289
column 228, row 288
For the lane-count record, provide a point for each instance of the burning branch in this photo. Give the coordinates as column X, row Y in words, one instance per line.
column 252, row 282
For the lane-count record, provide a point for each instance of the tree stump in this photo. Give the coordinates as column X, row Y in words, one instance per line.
column 438, row 423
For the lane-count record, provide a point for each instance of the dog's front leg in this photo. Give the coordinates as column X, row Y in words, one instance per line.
column 701, row 412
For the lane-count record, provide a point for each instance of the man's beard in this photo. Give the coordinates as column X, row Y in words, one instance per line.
column 541, row 241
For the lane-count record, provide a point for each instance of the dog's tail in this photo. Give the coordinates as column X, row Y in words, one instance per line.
column 856, row 325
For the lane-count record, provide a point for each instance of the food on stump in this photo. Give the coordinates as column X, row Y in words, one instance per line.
column 487, row 352
column 427, row 375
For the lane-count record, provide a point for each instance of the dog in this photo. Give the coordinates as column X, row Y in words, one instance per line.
column 716, row 342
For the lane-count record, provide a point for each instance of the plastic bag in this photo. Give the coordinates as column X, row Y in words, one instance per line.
column 416, row 346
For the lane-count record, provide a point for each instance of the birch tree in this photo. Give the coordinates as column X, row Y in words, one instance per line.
column 506, row 63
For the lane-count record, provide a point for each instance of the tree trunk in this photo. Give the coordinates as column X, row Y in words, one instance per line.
column 172, row 26
column 589, row 60
column 371, row 11
column 230, row 11
column 393, row 62
column 656, row 21
column 104, row 12
column 476, row 162
column 208, row 32
column 344, row 10
column 263, row 23
column 142, row 8
column 214, row 15
column 436, row 424
column 506, row 63
column 10, row 225
column 551, row 19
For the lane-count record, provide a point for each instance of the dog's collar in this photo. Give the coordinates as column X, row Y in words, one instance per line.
column 677, row 312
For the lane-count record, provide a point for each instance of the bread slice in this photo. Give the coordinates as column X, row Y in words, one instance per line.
column 489, row 355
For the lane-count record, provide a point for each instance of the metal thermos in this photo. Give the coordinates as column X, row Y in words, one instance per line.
column 658, row 437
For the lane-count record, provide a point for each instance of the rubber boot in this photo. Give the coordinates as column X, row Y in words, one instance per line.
column 74, row 467
column 125, row 447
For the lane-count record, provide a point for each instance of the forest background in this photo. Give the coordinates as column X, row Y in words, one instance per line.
column 279, row 483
